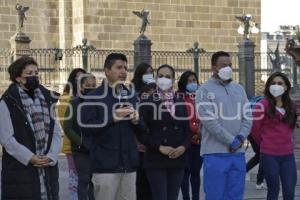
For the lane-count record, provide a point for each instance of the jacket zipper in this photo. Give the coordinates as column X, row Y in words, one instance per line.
column 226, row 90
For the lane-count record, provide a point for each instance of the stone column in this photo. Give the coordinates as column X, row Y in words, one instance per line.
column 142, row 50
column 20, row 45
column 246, row 66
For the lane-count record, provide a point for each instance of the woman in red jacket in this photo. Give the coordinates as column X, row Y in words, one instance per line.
column 187, row 86
column 274, row 120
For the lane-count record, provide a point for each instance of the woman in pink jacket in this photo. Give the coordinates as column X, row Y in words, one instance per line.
column 274, row 120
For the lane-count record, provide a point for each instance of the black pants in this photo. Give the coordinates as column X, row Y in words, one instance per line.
column 255, row 160
column 165, row 183
column 192, row 174
column 143, row 191
column 85, row 189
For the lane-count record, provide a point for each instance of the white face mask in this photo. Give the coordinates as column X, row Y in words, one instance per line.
column 225, row 73
column 276, row 90
column 164, row 83
column 148, row 78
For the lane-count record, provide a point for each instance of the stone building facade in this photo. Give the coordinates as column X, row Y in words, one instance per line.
column 110, row 24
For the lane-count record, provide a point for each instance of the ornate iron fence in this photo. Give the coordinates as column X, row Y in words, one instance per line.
column 56, row 64
column 6, row 57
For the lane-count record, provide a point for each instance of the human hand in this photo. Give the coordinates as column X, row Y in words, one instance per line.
column 165, row 149
column 177, row 152
column 122, row 112
column 135, row 117
column 237, row 143
column 40, row 161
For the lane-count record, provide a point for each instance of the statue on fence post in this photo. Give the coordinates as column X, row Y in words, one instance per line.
column 85, row 48
column 196, row 50
column 144, row 16
column 275, row 58
column 247, row 26
column 21, row 15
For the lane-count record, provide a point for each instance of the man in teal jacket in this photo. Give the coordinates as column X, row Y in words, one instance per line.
column 225, row 114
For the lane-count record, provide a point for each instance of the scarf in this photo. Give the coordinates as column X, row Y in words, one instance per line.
column 168, row 101
column 39, row 118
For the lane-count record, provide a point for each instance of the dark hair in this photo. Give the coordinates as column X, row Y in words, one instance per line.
column 111, row 58
column 72, row 84
column 166, row 66
column 183, row 80
column 147, row 88
column 85, row 77
column 16, row 68
column 290, row 112
column 137, row 80
column 217, row 55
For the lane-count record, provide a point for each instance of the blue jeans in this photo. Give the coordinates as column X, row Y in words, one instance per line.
column 283, row 167
column 192, row 174
column 224, row 176
column 165, row 183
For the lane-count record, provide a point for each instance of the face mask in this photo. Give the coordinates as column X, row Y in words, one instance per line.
column 276, row 90
column 225, row 73
column 148, row 78
column 87, row 90
column 191, row 87
column 32, row 82
column 164, row 83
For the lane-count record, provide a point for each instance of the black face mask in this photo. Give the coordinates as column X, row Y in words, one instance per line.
column 32, row 82
column 87, row 90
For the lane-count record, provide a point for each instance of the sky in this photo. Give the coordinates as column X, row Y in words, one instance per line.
column 279, row 12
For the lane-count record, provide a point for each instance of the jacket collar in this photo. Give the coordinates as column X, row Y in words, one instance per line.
column 13, row 92
column 105, row 87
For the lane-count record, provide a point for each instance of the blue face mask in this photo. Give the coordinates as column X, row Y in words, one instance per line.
column 192, row 87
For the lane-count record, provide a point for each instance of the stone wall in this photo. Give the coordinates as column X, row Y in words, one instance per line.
column 41, row 25
column 175, row 24
column 110, row 24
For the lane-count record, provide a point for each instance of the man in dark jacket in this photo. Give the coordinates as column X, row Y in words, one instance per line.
column 109, row 118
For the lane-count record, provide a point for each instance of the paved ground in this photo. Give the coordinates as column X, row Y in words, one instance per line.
column 250, row 194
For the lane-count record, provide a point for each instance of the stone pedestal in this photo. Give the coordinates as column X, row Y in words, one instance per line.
column 246, row 66
column 142, row 50
column 20, row 45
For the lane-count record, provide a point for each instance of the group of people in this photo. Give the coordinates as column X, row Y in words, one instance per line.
column 147, row 140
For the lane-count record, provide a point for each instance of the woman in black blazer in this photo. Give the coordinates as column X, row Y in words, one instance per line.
column 166, row 137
